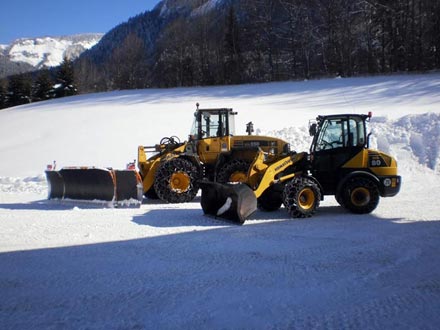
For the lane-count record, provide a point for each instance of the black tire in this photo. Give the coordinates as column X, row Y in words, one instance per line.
column 339, row 199
column 301, row 197
column 234, row 170
column 151, row 193
column 271, row 199
column 360, row 195
column 176, row 181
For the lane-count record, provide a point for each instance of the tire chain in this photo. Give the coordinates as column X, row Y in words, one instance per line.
column 162, row 180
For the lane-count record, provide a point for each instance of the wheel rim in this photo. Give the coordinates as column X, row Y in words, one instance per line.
column 360, row 196
column 306, row 198
column 238, row 177
column 180, row 182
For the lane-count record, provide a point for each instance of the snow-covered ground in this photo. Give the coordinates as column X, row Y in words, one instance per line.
column 73, row 266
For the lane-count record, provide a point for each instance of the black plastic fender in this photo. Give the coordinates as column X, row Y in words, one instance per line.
column 357, row 174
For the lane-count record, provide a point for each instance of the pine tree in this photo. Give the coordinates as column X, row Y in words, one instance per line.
column 90, row 77
column 43, row 87
column 65, row 79
column 232, row 56
column 128, row 64
column 3, row 94
column 20, row 89
column 172, row 55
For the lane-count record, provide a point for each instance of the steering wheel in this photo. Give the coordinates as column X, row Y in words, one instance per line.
column 329, row 145
column 326, row 144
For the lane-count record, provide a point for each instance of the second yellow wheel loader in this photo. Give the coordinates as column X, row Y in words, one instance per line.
column 172, row 170
column 340, row 163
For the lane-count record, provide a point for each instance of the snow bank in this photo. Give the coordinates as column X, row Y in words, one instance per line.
column 36, row 185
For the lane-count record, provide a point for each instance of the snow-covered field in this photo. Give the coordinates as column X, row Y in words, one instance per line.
column 166, row 266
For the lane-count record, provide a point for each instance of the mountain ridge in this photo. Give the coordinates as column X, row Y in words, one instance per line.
column 28, row 54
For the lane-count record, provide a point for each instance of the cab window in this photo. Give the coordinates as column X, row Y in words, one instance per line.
column 341, row 132
column 210, row 123
column 356, row 135
column 331, row 134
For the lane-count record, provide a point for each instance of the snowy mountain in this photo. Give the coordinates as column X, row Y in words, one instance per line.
column 167, row 266
column 47, row 51
column 8, row 67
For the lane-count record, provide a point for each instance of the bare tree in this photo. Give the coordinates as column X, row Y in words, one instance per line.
column 128, row 64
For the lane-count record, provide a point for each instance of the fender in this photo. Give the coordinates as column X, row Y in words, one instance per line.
column 357, row 174
column 315, row 181
column 193, row 158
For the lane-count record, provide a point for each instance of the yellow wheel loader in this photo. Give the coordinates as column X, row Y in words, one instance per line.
column 172, row 170
column 339, row 163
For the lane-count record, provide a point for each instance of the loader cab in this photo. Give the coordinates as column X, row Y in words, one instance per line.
column 336, row 140
column 209, row 123
column 211, row 131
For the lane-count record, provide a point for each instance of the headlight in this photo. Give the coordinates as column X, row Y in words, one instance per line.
column 387, row 182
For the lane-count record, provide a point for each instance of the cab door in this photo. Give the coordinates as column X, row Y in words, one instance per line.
column 214, row 137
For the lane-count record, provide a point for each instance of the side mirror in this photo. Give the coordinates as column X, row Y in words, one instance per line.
column 312, row 129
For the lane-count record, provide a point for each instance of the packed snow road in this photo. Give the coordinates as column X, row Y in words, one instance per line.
column 167, row 266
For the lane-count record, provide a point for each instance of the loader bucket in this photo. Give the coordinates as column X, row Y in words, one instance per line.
column 56, row 184
column 88, row 184
column 94, row 184
column 128, row 185
column 235, row 202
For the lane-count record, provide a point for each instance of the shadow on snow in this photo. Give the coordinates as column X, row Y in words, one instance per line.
column 229, row 277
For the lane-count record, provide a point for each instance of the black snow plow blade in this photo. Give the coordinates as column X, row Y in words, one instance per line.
column 235, row 202
column 118, row 187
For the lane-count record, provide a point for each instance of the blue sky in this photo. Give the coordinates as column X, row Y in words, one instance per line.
column 37, row 18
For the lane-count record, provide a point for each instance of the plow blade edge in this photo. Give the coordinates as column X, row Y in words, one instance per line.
column 235, row 202
column 92, row 184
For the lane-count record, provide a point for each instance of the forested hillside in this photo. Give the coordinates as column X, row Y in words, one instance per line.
column 220, row 42
column 187, row 43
